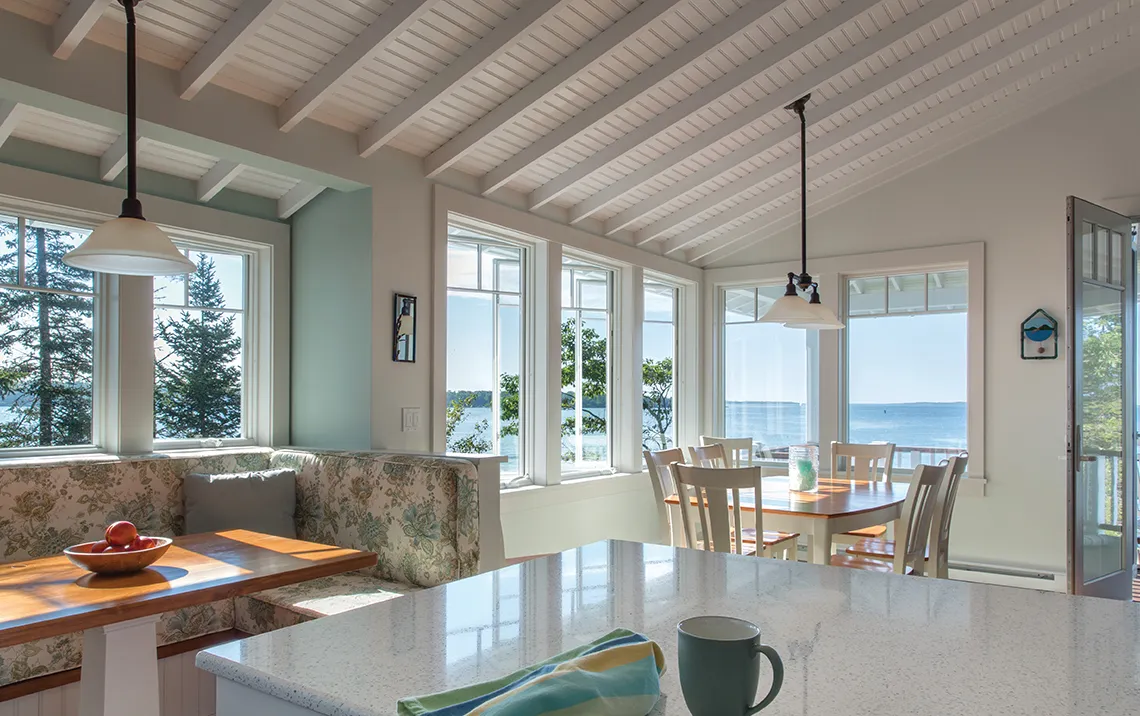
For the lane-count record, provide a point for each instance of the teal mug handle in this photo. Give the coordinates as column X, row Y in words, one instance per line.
column 777, row 676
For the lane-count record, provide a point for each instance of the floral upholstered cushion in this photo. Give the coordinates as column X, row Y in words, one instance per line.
column 296, row 603
column 420, row 514
column 49, row 656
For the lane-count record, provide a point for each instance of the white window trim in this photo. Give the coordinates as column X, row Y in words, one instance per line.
column 678, row 310
column 831, row 274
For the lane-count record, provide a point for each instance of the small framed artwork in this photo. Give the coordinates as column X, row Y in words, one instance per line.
column 404, row 338
column 1039, row 336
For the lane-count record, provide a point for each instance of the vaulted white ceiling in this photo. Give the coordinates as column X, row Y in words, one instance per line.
column 661, row 121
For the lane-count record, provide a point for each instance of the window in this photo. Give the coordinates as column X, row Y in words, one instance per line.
column 658, row 370
column 770, row 374
column 906, row 363
column 199, row 349
column 47, row 337
column 587, row 318
column 485, row 296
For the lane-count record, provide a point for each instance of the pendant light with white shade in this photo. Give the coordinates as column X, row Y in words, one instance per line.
column 130, row 244
column 790, row 309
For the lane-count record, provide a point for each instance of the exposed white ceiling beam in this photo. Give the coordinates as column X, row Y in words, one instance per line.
column 219, row 176
column 377, row 37
column 10, row 115
column 729, row 82
column 114, row 160
column 470, row 63
column 779, row 99
column 74, row 24
column 740, row 21
column 296, row 198
column 821, row 144
column 546, row 84
column 1099, row 32
column 1010, row 110
column 243, row 24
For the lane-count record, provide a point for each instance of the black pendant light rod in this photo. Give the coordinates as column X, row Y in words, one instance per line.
column 805, row 280
column 132, row 207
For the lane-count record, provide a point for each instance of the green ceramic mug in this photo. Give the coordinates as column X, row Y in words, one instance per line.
column 719, row 666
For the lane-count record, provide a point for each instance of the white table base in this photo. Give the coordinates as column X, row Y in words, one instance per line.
column 120, row 670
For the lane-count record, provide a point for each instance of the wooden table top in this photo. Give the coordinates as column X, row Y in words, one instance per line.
column 836, row 498
column 50, row 596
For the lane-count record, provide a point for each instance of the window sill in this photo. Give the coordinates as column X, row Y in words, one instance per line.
column 95, row 457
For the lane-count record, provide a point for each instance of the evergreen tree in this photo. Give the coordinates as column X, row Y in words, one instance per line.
column 198, row 383
column 45, row 344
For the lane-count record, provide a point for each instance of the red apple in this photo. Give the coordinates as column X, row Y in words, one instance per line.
column 117, row 548
column 98, row 547
column 120, row 533
column 140, row 542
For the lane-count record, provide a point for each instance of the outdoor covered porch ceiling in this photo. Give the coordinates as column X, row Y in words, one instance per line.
column 659, row 123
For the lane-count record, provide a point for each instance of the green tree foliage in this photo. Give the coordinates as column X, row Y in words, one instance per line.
column 198, row 383
column 46, row 345
column 595, row 373
column 474, row 442
column 1102, row 375
column 657, row 403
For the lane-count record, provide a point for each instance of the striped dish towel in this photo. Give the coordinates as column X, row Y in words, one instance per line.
column 616, row 675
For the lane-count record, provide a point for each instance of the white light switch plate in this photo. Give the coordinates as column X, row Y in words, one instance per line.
column 409, row 420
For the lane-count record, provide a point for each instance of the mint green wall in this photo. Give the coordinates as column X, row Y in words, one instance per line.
column 45, row 158
column 332, row 322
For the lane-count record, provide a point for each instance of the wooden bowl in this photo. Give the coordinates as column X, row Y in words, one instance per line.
column 117, row 562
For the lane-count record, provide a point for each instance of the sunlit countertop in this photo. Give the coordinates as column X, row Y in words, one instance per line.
column 852, row 642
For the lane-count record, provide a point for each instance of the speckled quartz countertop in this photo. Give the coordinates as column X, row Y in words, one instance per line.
column 852, row 642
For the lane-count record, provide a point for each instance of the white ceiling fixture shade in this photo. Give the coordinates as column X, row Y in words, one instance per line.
column 130, row 244
column 790, row 309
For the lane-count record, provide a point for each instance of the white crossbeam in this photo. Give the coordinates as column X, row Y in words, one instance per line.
column 219, row 176
column 250, row 16
column 74, row 24
column 10, row 115
column 296, row 198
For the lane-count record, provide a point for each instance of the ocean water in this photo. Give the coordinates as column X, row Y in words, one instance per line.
column 940, row 426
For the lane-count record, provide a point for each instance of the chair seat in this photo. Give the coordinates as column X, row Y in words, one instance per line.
column 868, row 565
column 874, row 532
column 770, row 538
column 876, row 549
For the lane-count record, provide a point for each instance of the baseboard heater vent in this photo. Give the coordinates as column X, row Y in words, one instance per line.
column 1008, row 576
column 1003, row 571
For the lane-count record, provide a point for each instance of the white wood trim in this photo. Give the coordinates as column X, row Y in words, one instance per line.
column 74, row 24
column 114, row 159
column 243, row 24
column 790, row 129
column 377, row 37
column 219, row 176
column 10, row 116
column 297, row 197
column 472, row 62
column 745, row 73
column 545, row 85
column 653, row 75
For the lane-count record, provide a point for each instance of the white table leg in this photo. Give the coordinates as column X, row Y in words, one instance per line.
column 821, row 542
column 120, row 670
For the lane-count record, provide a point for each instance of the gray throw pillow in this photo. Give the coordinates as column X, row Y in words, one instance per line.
column 263, row 501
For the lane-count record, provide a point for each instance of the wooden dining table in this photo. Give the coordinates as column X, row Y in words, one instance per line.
column 838, row 506
column 47, row 597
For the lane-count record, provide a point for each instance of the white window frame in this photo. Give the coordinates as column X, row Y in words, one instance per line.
column 100, row 355
column 254, row 413
column 678, row 293
column 491, row 237
column 831, row 275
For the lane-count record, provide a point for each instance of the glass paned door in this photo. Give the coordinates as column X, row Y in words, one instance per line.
column 1102, row 446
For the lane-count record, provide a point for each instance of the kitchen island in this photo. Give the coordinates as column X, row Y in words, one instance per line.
column 852, row 642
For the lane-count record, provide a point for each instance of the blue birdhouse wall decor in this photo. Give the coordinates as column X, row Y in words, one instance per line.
column 1039, row 336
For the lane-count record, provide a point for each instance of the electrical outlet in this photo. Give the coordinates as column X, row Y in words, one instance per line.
column 409, row 420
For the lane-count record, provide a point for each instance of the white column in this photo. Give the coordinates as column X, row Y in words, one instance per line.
column 545, row 328
column 128, row 355
column 626, row 383
column 120, row 670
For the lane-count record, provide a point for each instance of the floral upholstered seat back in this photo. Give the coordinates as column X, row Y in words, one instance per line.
column 45, row 509
column 420, row 514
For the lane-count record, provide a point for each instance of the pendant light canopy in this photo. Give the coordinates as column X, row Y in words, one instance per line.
column 790, row 309
column 130, row 244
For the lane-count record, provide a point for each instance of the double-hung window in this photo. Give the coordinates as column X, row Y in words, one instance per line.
column 907, row 363
column 770, row 374
column 47, row 337
column 587, row 359
column 200, row 356
column 658, row 366
column 485, row 348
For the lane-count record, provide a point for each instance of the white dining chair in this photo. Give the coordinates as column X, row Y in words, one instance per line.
column 938, row 544
column 870, row 462
column 739, row 451
column 714, row 455
column 914, row 527
column 661, row 480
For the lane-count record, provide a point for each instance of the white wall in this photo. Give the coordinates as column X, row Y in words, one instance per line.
column 1009, row 191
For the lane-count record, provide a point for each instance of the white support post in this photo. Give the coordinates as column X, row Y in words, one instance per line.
column 120, row 670
column 545, row 442
column 627, row 378
column 129, row 347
